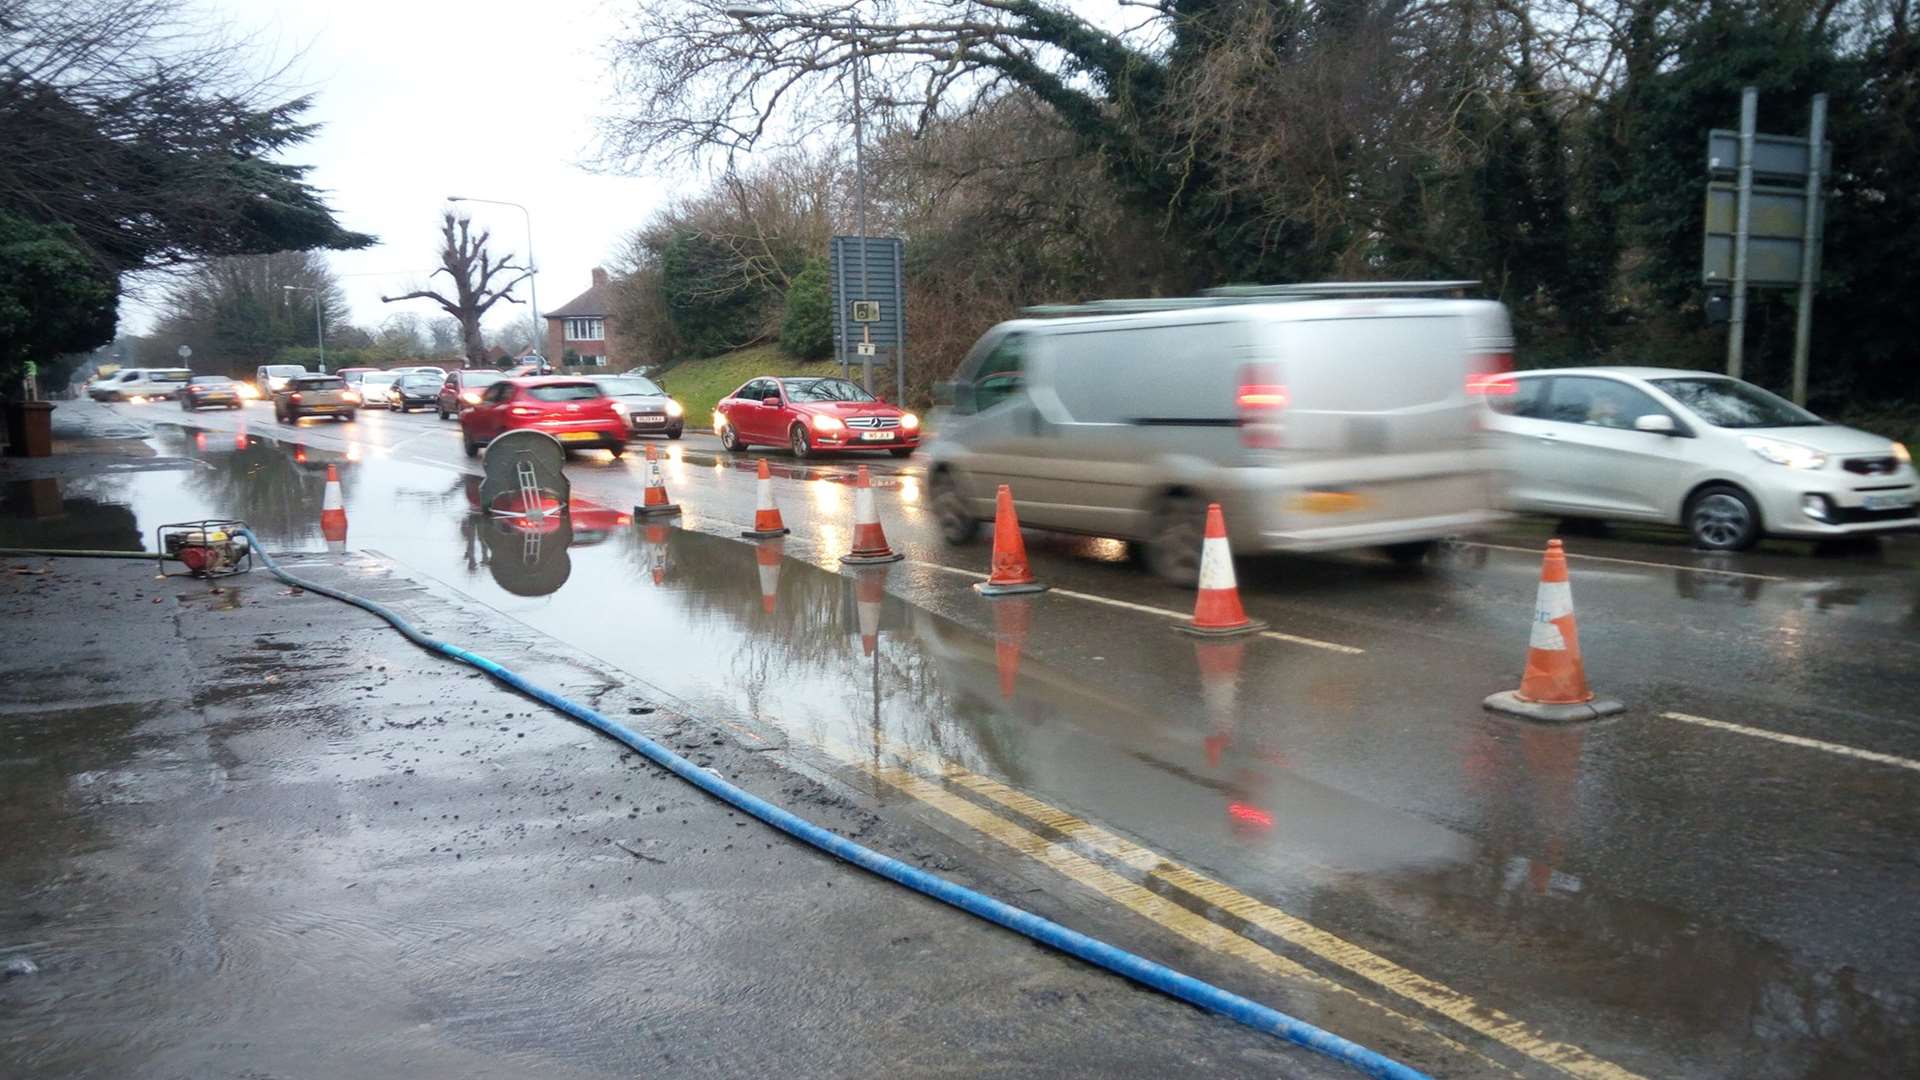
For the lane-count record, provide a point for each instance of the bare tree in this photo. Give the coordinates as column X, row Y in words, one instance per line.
column 473, row 272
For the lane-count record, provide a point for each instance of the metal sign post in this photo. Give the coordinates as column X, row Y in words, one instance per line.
column 1809, row 251
column 1737, row 331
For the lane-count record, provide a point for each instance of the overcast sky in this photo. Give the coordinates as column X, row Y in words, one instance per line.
column 423, row 100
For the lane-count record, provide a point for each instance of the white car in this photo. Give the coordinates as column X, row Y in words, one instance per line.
column 1724, row 459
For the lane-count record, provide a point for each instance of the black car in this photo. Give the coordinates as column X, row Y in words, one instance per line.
column 414, row 390
column 210, row 390
column 648, row 409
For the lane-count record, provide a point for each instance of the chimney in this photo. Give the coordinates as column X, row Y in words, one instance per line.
column 599, row 277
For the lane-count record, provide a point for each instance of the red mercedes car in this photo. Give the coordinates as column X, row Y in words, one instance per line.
column 806, row 414
column 575, row 411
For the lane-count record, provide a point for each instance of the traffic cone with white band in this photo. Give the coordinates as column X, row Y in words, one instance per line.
column 655, row 500
column 1217, row 611
column 1011, row 574
column 333, row 513
column 657, row 553
column 1011, row 621
column 869, row 539
column 1219, row 663
column 766, row 516
column 1554, row 685
column 869, row 592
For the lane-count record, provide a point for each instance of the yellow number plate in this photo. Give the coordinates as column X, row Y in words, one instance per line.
column 577, row 436
column 1330, row 502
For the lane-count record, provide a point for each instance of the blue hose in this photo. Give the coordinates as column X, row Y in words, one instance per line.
column 1072, row 942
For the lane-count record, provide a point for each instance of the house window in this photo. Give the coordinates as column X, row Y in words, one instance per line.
column 593, row 329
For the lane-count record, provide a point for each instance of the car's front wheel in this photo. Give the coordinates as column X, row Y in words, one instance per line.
column 730, row 439
column 472, row 448
column 798, row 441
column 1411, row 553
column 347, row 416
column 674, row 433
column 1721, row 517
column 901, row 451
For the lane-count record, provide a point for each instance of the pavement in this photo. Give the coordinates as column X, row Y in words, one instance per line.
column 1716, row 883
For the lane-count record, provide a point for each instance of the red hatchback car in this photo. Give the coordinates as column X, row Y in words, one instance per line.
column 575, row 411
column 806, row 414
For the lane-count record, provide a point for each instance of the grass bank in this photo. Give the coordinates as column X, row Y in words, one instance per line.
column 698, row 384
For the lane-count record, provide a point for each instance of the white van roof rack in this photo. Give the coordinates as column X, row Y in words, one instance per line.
column 1339, row 288
column 1253, row 294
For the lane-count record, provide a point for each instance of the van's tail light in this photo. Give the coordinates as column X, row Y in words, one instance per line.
column 295, row 398
column 1261, row 401
column 1490, row 375
column 195, row 389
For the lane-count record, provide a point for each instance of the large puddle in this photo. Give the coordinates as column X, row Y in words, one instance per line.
column 1205, row 773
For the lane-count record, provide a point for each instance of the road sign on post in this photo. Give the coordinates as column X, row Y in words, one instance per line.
column 1764, row 235
column 869, row 305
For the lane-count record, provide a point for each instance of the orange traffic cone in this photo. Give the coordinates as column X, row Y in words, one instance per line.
column 1554, row 686
column 1011, row 574
column 333, row 511
column 869, row 592
column 766, row 516
column 655, row 499
column 1010, row 623
column 869, row 539
column 767, row 556
column 1219, row 663
column 1217, row 611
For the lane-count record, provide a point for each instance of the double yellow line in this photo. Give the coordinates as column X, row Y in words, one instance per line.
column 938, row 783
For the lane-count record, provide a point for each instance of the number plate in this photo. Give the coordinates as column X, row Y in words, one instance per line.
column 1898, row 500
column 649, row 419
column 1330, row 502
column 578, row 436
column 877, row 436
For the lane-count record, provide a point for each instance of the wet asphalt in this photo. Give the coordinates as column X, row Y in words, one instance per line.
column 1671, row 898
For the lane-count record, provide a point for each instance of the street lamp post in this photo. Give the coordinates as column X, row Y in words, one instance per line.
column 319, row 320
column 533, row 270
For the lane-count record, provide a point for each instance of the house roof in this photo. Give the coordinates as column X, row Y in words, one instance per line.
column 595, row 301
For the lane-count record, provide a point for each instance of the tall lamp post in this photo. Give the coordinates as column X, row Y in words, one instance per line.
column 319, row 320
column 533, row 270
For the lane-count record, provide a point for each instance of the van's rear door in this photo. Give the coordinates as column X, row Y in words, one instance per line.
column 1375, row 384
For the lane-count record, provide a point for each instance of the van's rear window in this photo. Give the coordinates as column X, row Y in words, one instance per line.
column 172, row 376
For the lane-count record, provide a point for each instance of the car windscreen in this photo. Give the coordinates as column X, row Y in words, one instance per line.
column 420, row 382
column 172, row 376
column 328, row 383
column 630, row 386
column 824, row 390
column 564, row 392
column 480, row 378
column 1730, row 403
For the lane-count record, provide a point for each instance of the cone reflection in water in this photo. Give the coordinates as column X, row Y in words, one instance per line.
column 1217, row 610
column 657, row 553
column 655, row 499
column 1554, row 686
column 1011, row 574
column 767, row 555
column 869, row 592
column 1219, row 663
column 1011, row 620
column 766, row 516
column 869, row 539
column 1552, row 756
column 333, row 512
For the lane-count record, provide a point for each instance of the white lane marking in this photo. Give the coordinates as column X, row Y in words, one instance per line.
column 1629, row 562
column 1165, row 613
column 1797, row 740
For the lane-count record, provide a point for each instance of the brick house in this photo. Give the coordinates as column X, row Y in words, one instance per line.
column 580, row 325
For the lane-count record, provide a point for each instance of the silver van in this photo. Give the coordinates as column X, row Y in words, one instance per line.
column 1319, row 417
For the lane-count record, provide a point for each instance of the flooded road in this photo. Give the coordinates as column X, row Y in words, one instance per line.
column 1643, row 896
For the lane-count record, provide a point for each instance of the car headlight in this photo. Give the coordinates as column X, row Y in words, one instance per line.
column 1900, row 454
column 619, row 408
column 349, row 396
column 1792, row 455
column 910, row 421
column 827, row 423
column 471, row 397
column 673, row 408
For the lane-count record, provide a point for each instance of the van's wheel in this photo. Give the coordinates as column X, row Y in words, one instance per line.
column 616, row 451
column 442, row 410
column 730, row 439
column 957, row 526
column 1411, row 553
column 1179, row 525
column 797, row 441
column 1721, row 517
